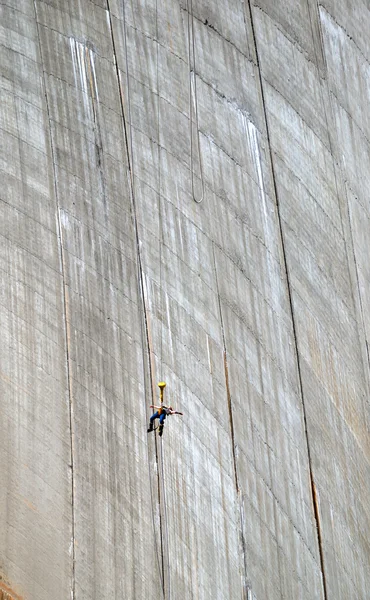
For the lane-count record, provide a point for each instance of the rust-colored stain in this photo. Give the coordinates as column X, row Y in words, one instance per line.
column 6, row 593
column 316, row 508
column 30, row 505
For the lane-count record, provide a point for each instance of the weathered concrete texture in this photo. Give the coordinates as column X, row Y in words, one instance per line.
column 251, row 305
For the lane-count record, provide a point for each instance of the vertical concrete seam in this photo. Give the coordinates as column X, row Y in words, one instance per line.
column 191, row 48
column 239, row 495
column 65, row 310
column 290, row 300
column 145, row 335
column 316, row 508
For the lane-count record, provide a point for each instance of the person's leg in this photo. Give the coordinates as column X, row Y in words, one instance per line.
column 152, row 419
column 161, row 423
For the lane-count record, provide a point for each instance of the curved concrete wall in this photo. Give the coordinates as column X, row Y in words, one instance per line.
column 251, row 304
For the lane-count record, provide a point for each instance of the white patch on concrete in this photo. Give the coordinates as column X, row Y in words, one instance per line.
column 81, row 63
column 252, row 133
column 79, row 72
column 209, row 355
column 108, row 18
column 333, row 31
column 92, row 63
column 147, row 296
column 72, row 43
column 269, row 224
column 84, row 72
column 253, row 144
column 64, row 220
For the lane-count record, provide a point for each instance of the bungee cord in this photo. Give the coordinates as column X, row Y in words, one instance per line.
column 141, row 287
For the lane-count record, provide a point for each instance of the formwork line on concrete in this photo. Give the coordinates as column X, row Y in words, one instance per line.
column 290, row 298
column 65, row 305
column 144, row 322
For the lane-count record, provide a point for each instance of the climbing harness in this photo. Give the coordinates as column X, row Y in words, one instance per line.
column 161, row 409
column 193, row 91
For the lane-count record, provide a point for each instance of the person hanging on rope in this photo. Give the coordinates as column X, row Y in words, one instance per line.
column 161, row 413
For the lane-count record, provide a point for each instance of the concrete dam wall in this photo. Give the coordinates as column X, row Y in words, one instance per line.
column 184, row 197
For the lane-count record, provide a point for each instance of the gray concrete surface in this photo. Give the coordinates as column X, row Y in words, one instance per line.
column 251, row 305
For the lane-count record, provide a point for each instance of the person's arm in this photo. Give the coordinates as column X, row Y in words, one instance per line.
column 176, row 412
column 153, row 406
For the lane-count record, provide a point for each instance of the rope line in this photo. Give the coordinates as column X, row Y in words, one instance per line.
column 159, row 450
column 160, row 222
column 145, row 335
column 163, row 521
column 193, row 92
column 140, row 278
column 164, row 503
column 160, row 459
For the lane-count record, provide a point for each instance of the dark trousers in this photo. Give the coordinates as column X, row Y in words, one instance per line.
column 156, row 415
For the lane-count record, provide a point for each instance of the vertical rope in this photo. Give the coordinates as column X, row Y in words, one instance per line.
column 165, row 522
column 160, row 222
column 140, row 278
